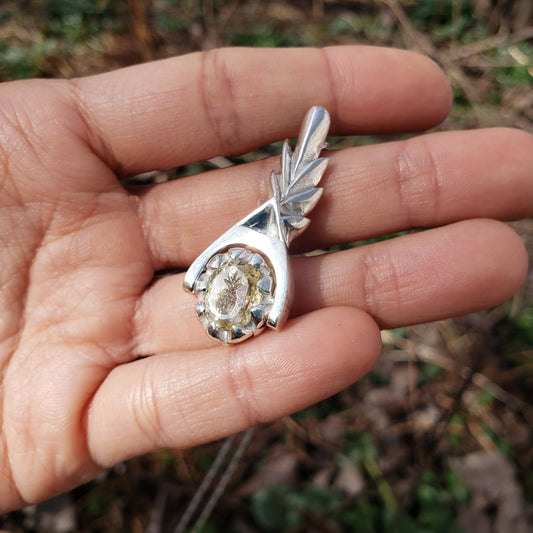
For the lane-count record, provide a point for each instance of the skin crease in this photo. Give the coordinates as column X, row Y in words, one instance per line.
column 100, row 362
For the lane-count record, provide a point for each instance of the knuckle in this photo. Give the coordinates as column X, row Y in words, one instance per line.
column 146, row 411
column 419, row 181
column 217, row 86
column 381, row 282
column 241, row 386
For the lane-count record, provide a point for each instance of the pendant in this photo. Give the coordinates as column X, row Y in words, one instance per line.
column 243, row 280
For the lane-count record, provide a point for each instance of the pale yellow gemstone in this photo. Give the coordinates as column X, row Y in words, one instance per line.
column 228, row 292
column 234, row 294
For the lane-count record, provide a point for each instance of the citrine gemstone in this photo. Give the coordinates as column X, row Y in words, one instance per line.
column 235, row 294
column 229, row 293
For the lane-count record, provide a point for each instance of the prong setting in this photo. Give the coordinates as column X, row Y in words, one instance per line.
column 235, row 294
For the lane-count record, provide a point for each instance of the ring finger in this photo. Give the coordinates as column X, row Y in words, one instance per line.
column 425, row 276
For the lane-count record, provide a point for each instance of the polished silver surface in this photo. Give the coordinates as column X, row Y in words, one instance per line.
column 267, row 232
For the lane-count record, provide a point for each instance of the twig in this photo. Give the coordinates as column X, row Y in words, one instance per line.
column 420, row 42
column 480, row 47
column 143, row 37
column 224, row 480
column 318, row 9
column 204, row 485
column 208, row 12
column 426, row 354
column 158, row 511
column 220, row 487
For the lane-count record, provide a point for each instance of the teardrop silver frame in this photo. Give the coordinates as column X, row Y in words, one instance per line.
column 270, row 247
column 269, row 229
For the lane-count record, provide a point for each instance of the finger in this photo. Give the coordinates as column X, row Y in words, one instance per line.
column 180, row 400
column 426, row 181
column 426, row 276
column 448, row 271
column 228, row 101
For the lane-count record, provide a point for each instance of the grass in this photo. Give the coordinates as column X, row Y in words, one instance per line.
column 440, row 391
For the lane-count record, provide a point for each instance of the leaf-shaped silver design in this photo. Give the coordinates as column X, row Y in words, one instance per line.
column 295, row 187
column 296, row 224
column 311, row 175
column 300, row 203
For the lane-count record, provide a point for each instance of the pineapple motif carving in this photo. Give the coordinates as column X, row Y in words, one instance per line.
column 228, row 297
column 234, row 294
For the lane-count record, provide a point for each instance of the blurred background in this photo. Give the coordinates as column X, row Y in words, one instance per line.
column 439, row 436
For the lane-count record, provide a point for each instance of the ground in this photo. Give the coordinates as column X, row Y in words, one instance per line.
column 439, row 436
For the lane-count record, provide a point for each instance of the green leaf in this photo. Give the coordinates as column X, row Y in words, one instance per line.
column 280, row 508
column 360, row 446
column 271, row 510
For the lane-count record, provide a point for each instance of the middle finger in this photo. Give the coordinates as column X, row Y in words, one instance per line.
column 427, row 181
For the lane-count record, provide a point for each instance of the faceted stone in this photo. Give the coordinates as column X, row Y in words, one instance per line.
column 228, row 292
column 235, row 294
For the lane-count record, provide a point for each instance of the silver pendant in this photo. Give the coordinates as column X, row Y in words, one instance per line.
column 243, row 280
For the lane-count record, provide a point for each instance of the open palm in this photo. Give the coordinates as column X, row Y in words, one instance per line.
column 100, row 363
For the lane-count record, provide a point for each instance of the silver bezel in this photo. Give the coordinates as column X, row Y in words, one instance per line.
column 254, row 315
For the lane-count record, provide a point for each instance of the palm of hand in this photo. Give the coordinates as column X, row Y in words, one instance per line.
column 98, row 364
column 78, row 263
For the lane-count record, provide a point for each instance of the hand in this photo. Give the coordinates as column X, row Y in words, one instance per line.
column 99, row 364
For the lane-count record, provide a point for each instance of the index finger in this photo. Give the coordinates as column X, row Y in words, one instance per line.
column 229, row 101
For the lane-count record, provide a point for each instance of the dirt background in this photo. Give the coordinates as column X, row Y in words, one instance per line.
column 438, row 437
